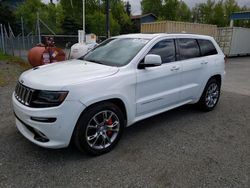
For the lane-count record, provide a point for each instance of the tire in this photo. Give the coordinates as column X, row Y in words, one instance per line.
column 210, row 96
column 99, row 128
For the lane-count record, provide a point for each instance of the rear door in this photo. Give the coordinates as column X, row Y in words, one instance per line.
column 193, row 68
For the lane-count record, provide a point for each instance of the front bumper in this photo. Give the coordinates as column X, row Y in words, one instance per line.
column 55, row 134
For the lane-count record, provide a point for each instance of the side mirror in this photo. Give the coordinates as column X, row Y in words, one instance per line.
column 150, row 60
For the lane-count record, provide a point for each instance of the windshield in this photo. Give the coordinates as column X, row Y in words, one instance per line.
column 116, row 51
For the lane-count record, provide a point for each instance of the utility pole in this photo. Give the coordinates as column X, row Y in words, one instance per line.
column 107, row 19
column 83, row 18
column 38, row 28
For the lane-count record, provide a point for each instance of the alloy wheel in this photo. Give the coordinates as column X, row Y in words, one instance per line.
column 102, row 130
column 212, row 95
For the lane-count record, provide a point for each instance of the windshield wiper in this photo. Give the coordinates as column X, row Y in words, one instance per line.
column 94, row 61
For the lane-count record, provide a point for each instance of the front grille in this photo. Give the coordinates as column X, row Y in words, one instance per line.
column 23, row 94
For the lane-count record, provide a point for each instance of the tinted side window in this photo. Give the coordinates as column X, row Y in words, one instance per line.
column 188, row 48
column 165, row 49
column 207, row 47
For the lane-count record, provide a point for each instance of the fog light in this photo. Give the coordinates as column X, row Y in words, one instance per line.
column 43, row 119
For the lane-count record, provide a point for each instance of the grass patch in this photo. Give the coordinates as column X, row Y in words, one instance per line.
column 10, row 69
column 2, row 79
column 9, row 75
column 15, row 60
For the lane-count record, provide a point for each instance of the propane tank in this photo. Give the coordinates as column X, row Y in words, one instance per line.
column 78, row 50
column 45, row 54
column 81, row 48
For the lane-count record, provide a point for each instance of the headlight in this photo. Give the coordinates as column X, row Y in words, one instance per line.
column 43, row 99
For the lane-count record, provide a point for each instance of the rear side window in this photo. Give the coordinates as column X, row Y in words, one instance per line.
column 165, row 49
column 188, row 48
column 207, row 47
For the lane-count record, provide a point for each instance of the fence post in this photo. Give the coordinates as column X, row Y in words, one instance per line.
column 12, row 36
column 28, row 41
column 1, row 28
column 23, row 33
column 7, row 44
column 19, row 46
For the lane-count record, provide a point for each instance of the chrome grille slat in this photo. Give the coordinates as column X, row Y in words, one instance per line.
column 27, row 97
column 20, row 93
column 30, row 96
column 23, row 94
column 18, row 90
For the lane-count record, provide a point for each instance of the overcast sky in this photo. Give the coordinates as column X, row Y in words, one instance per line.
column 136, row 5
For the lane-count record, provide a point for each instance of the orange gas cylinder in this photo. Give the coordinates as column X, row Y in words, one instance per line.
column 41, row 55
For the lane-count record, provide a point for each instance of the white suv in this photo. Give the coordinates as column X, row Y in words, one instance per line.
column 125, row 79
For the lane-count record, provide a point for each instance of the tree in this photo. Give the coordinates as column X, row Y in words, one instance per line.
column 152, row 6
column 219, row 15
column 230, row 6
column 50, row 14
column 53, row 17
column 73, row 10
column 183, row 12
column 28, row 11
column 7, row 16
column 169, row 9
column 119, row 13
column 96, row 24
column 208, row 12
column 95, row 16
column 69, row 25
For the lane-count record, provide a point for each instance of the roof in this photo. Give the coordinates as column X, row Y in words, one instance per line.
column 142, row 16
column 138, row 35
column 151, row 36
column 240, row 15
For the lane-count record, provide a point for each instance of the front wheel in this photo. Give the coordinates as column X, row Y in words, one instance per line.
column 210, row 96
column 99, row 129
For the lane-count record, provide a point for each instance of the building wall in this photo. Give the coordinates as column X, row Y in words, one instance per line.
column 143, row 20
column 148, row 19
column 178, row 27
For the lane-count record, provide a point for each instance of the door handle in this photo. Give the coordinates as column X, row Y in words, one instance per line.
column 204, row 63
column 175, row 68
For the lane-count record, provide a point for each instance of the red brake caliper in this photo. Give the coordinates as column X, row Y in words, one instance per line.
column 109, row 122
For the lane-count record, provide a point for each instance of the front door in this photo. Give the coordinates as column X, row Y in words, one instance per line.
column 159, row 87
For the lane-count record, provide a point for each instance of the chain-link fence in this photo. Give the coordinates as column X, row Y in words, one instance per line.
column 20, row 45
column 62, row 41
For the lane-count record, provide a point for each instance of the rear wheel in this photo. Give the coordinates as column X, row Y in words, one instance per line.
column 210, row 95
column 99, row 128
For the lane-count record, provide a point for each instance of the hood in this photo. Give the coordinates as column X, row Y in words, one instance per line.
column 58, row 75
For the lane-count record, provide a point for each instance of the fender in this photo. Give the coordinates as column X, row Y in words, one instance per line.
column 128, row 107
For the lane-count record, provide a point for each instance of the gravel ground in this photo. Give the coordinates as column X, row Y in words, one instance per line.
column 179, row 148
